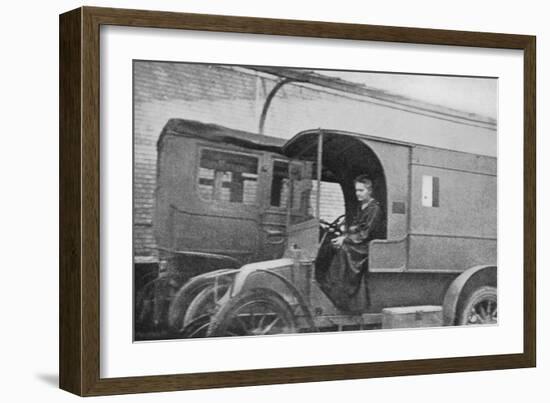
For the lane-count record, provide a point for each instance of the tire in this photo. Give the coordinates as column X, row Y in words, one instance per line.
column 202, row 309
column 197, row 297
column 479, row 307
column 255, row 312
column 198, row 328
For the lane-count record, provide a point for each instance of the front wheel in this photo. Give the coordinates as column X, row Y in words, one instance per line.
column 255, row 312
column 201, row 309
column 195, row 300
column 480, row 307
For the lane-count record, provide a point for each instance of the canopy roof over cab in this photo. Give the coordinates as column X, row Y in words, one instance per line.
column 304, row 144
column 345, row 156
column 220, row 134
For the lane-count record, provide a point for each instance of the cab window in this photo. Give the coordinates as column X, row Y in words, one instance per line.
column 228, row 177
column 279, row 184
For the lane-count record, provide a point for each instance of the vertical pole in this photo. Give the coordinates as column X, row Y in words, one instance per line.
column 319, row 172
column 290, row 197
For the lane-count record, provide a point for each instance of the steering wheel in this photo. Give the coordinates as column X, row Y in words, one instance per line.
column 334, row 228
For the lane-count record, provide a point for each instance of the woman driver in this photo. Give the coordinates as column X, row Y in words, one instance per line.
column 345, row 279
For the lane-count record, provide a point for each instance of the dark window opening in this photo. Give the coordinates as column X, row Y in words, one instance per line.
column 228, row 177
column 279, row 184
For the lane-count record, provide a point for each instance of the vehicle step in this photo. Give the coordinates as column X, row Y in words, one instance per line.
column 412, row 316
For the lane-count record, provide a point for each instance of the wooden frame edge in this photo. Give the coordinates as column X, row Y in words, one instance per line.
column 163, row 383
column 79, row 201
column 70, row 279
column 530, row 201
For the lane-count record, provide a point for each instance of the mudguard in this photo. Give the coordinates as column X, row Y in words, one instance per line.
column 472, row 277
column 265, row 275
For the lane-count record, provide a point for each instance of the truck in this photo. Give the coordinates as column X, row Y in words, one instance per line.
column 241, row 219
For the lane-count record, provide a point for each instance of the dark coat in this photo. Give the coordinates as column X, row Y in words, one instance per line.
column 345, row 281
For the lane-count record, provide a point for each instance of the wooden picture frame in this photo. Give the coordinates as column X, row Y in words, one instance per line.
column 80, row 200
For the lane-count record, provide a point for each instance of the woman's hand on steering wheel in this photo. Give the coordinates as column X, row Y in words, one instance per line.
column 335, row 227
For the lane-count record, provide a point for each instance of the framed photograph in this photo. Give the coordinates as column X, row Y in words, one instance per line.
column 251, row 201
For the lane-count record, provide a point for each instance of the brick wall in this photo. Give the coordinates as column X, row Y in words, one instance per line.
column 234, row 97
column 210, row 94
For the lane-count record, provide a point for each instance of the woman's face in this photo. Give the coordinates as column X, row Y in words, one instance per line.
column 362, row 192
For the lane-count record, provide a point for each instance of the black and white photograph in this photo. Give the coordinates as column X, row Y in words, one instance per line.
column 266, row 202
column 272, row 200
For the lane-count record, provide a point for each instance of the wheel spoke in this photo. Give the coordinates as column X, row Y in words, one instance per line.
column 253, row 313
column 262, row 320
column 199, row 331
column 491, row 312
column 264, row 312
column 483, row 311
column 257, row 318
column 268, row 328
column 480, row 307
column 245, row 326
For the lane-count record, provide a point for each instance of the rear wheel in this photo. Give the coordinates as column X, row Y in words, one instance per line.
column 480, row 307
column 152, row 301
column 255, row 312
